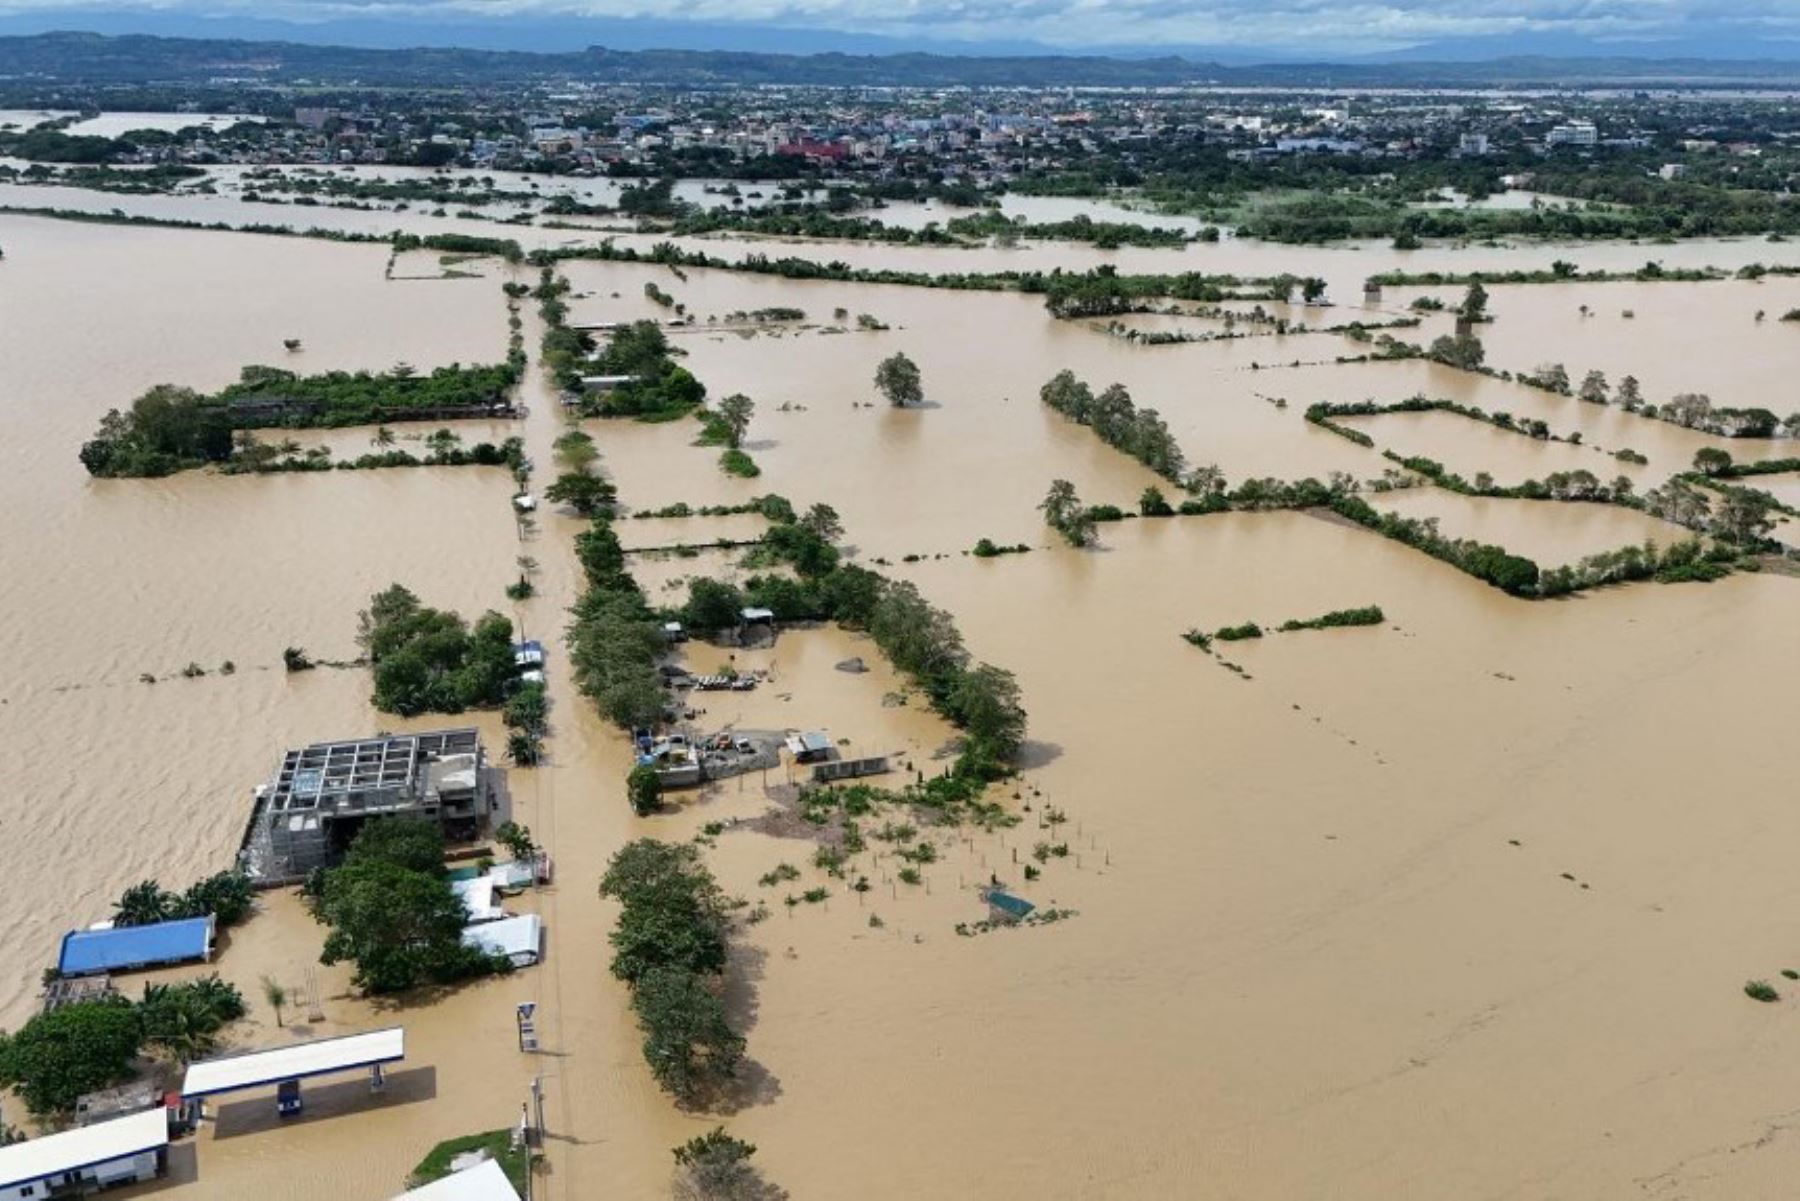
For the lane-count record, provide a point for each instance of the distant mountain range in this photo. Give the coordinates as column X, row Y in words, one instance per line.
column 138, row 58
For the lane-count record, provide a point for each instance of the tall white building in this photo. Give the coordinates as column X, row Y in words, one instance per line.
column 1573, row 133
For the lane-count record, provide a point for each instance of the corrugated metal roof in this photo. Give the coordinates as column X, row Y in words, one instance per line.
column 1006, row 903
column 83, row 1147
column 85, row 952
column 520, row 939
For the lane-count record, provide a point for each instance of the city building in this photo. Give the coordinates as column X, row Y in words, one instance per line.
column 1573, row 133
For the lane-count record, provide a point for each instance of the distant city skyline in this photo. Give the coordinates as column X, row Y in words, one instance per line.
column 1228, row 30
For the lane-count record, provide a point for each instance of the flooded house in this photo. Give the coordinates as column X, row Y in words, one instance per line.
column 322, row 794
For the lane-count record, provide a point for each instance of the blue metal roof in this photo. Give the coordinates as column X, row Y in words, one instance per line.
column 85, row 952
column 1006, row 903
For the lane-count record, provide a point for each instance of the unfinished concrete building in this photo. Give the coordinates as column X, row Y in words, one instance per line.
column 322, row 794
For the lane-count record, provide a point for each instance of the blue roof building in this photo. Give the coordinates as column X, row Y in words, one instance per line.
column 123, row 948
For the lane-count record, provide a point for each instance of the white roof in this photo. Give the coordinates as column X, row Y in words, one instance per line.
column 486, row 1181
column 478, row 897
column 514, row 873
column 84, row 1147
column 518, row 938
column 253, row 1068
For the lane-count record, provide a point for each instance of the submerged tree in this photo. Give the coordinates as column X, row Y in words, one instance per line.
column 735, row 412
column 1593, row 388
column 1064, row 513
column 1473, row 308
column 716, row 1167
column 897, row 378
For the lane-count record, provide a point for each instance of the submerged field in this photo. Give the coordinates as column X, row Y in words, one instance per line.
column 1457, row 904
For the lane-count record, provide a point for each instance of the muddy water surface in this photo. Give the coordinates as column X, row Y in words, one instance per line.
column 1369, row 915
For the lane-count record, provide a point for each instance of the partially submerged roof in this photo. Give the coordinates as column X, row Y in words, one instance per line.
column 1008, row 904
column 85, row 952
column 252, row 1069
column 752, row 616
column 83, row 1147
column 486, row 1181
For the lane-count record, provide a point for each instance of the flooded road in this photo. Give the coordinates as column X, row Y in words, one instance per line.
column 1413, row 909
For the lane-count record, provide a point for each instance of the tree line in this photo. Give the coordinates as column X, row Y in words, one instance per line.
column 171, row 428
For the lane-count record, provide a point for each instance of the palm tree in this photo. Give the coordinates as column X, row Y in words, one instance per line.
column 383, row 437
column 142, row 905
column 275, row 995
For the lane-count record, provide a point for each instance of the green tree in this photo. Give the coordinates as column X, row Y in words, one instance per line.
column 688, row 1040
column 1593, row 388
column 516, row 839
column 227, row 896
column 1743, row 517
column 400, row 928
column 586, row 494
column 144, row 904
column 897, row 379
column 644, row 788
column 276, row 994
column 1064, row 513
column 184, row 1019
column 1473, row 308
column 986, row 701
column 1461, row 350
column 57, row 1056
column 712, row 605
column 672, row 913
column 409, row 842
column 575, row 450
column 716, row 1167
column 1711, row 461
column 1630, row 397
column 1152, row 503
column 821, row 521
column 1068, row 396
column 735, row 412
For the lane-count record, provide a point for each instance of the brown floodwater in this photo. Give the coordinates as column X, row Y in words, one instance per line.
column 1460, row 905
column 1703, row 338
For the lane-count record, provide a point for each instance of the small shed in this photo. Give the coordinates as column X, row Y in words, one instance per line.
column 126, row 948
column 757, row 617
column 1004, row 907
column 673, row 632
column 810, row 746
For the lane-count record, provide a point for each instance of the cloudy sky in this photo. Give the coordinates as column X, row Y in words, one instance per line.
column 1317, row 29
